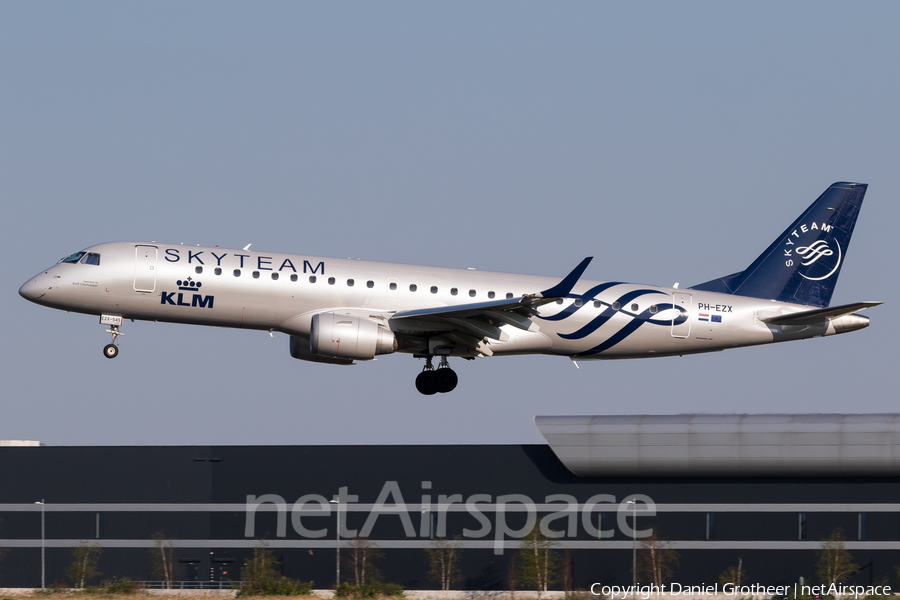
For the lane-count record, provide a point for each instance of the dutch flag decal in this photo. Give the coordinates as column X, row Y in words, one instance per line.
column 703, row 317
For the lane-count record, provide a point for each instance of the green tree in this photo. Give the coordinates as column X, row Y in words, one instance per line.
column 538, row 561
column 261, row 577
column 567, row 573
column 443, row 561
column 835, row 564
column 163, row 556
column 84, row 563
column 512, row 575
column 656, row 560
column 360, row 557
column 734, row 575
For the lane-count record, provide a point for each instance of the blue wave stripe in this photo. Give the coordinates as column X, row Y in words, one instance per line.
column 588, row 295
column 605, row 316
column 627, row 330
column 615, row 338
column 595, row 324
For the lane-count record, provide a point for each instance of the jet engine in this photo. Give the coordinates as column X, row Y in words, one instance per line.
column 347, row 337
column 300, row 349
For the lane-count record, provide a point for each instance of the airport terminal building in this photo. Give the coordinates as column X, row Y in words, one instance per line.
column 762, row 489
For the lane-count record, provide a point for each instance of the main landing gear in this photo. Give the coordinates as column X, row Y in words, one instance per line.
column 432, row 381
column 112, row 350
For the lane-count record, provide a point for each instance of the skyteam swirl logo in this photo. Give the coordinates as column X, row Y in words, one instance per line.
column 817, row 260
column 811, row 254
column 619, row 307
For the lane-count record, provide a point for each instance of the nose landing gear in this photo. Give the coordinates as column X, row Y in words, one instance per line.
column 112, row 350
column 432, row 381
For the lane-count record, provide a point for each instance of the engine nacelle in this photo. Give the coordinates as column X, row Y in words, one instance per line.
column 300, row 349
column 346, row 337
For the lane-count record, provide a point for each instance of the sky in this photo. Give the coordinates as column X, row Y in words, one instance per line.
column 672, row 141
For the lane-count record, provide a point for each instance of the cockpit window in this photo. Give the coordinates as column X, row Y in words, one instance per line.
column 73, row 259
column 91, row 259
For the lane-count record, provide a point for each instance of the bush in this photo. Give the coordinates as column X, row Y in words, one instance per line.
column 261, row 578
column 121, row 586
column 59, row 587
column 275, row 585
column 369, row 590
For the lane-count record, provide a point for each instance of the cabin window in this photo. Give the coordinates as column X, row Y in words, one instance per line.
column 393, row 287
column 578, row 302
column 597, row 304
column 198, row 270
column 274, row 276
column 91, row 259
column 471, row 293
column 294, row 277
column 559, row 301
column 453, row 291
column 255, row 274
column 237, row 272
column 434, row 289
column 350, row 283
column 218, row 271
column 413, row 287
column 509, row 295
column 491, row 295
column 616, row 306
column 634, row 307
column 654, row 309
column 312, row 278
column 74, row 258
column 370, row 284
column 331, row 281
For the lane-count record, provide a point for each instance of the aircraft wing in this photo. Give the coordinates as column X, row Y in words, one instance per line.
column 808, row 317
column 471, row 325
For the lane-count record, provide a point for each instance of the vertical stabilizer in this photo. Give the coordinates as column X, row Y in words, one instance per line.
column 802, row 266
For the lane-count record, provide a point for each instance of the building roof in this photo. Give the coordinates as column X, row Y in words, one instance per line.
column 725, row 445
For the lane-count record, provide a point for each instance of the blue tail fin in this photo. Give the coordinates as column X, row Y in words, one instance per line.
column 802, row 266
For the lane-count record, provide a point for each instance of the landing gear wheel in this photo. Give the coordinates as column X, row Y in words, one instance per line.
column 112, row 350
column 425, row 383
column 445, row 380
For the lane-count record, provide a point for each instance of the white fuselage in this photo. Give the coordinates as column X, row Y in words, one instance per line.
column 280, row 292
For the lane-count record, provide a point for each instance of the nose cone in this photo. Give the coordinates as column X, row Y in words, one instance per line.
column 33, row 289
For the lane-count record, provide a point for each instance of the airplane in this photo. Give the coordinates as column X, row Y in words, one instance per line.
column 341, row 311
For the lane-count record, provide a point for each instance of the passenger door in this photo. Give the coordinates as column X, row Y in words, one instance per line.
column 145, row 268
column 682, row 330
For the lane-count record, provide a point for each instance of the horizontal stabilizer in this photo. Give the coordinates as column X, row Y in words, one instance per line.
column 808, row 317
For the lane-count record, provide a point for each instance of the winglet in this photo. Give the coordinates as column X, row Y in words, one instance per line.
column 565, row 286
